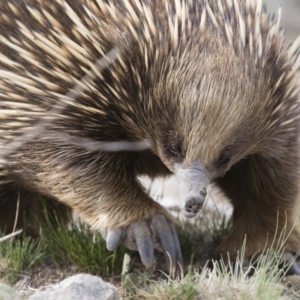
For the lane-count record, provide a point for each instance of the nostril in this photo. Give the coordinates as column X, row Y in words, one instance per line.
column 193, row 205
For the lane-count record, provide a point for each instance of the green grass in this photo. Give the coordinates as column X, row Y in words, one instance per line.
column 261, row 278
column 20, row 255
column 85, row 249
column 179, row 288
column 76, row 245
column 82, row 247
column 221, row 282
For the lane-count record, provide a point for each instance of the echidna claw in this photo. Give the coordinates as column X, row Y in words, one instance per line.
column 144, row 236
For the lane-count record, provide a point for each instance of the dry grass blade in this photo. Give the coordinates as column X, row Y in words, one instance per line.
column 11, row 235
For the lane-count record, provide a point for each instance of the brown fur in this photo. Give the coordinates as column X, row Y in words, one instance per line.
column 226, row 106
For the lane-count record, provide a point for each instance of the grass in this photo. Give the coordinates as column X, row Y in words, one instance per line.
column 222, row 282
column 17, row 256
column 82, row 247
column 263, row 279
column 79, row 246
column 59, row 244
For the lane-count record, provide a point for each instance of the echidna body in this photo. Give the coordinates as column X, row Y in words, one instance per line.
column 210, row 84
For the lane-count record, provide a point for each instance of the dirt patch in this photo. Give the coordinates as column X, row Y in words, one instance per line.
column 43, row 277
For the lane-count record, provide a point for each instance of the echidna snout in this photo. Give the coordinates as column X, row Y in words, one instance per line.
column 192, row 182
column 193, row 205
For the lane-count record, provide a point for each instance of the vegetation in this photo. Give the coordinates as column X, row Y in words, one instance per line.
column 82, row 247
column 19, row 256
column 60, row 244
column 79, row 246
column 262, row 279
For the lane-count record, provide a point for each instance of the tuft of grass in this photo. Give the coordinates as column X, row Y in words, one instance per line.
column 262, row 279
column 224, row 282
column 168, row 289
column 82, row 247
column 138, row 285
column 19, row 256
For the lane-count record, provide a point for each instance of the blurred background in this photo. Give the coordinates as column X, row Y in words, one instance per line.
column 290, row 15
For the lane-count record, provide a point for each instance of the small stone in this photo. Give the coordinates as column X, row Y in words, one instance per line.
column 79, row 287
column 6, row 292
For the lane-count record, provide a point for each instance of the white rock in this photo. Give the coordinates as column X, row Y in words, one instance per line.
column 6, row 292
column 79, row 287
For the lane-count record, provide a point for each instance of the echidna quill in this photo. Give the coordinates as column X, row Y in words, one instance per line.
column 211, row 85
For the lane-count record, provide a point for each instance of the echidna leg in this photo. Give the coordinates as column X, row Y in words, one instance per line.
column 103, row 188
column 23, row 209
column 264, row 194
column 144, row 225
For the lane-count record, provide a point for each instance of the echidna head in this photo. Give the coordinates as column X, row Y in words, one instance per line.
column 211, row 121
column 215, row 93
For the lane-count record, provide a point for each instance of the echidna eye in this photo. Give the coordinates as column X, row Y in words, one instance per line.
column 173, row 150
column 223, row 160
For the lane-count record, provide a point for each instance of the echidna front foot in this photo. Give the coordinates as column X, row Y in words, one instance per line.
column 157, row 232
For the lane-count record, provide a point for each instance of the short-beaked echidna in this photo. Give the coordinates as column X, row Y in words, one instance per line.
column 211, row 85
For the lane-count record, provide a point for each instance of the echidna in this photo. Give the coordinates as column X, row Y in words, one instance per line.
column 210, row 84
